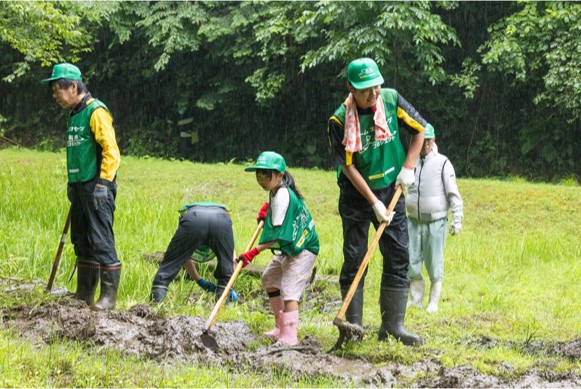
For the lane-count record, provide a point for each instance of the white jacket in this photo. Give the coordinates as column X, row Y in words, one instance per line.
column 434, row 191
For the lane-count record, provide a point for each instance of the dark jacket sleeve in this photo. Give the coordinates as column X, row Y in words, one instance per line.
column 335, row 132
column 408, row 116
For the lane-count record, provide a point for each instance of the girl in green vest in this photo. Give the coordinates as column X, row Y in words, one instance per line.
column 289, row 232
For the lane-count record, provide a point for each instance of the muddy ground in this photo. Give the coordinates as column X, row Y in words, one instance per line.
column 138, row 331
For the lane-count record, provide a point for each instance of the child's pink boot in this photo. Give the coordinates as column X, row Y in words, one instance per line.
column 288, row 331
column 277, row 305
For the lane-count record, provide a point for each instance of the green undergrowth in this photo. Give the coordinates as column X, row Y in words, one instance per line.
column 512, row 274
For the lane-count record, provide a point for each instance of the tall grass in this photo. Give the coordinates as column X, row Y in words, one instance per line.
column 513, row 272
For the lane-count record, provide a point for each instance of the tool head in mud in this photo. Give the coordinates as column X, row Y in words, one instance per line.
column 347, row 332
column 209, row 341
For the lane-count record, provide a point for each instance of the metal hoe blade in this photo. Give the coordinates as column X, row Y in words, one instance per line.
column 209, row 341
column 347, row 331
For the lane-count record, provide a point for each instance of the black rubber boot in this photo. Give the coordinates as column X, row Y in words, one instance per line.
column 354, row 313
column 87, row 280
column 392, row 304
column 158, row 293
column 110, row 276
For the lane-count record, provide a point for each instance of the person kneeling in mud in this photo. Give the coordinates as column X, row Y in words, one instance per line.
column 289, row 231
column 203, row 226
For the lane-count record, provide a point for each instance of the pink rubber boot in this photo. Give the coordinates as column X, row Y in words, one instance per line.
column 290, row 325
column 277, row 305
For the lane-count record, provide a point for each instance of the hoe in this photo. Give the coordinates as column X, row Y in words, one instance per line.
column 349, row 330
column 207, row 339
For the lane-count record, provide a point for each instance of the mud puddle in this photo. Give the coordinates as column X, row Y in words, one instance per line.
column 138, row 331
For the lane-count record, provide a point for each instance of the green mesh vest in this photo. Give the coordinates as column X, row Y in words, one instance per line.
column 379, row 162
column 81, row 145
column 296, row 234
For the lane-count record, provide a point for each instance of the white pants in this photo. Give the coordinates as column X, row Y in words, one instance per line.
column 427, row 241
column 289, row 274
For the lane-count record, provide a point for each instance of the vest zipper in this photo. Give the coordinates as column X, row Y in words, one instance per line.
column 419, row 181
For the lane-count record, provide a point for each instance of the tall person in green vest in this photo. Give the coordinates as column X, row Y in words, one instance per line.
column 289, row 232
column 364, row 133
column 92, row 162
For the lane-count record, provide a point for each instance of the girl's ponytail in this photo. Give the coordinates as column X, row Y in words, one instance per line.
column 290, row 182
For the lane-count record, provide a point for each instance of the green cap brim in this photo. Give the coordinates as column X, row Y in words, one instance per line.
column 257, row 167
column 47, row 80
column 368, row 84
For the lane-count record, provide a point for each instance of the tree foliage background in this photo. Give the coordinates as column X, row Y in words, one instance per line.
column 500, row 81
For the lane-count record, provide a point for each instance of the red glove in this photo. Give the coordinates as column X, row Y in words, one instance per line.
column 248, row 256
column 262, row 212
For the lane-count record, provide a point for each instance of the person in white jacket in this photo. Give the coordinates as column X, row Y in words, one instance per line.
column 428, row 203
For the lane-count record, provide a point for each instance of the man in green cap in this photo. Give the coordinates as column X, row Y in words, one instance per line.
column 429, row 201
column 365, row 136
column 92, row 162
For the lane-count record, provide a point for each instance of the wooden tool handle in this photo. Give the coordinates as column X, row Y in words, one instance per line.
column 222, row 299
column 368, row 255
column 59, row 252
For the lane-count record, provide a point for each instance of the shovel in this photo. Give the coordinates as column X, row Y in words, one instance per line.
column 59, row 252
column 207, row 339
column 346, row 329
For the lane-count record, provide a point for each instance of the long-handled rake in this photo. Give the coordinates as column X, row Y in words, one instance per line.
column 349, row 330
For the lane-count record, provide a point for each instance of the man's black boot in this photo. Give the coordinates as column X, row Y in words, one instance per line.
column 87, row 280
column 110, row 277
column 354, row 313
column 393, row 304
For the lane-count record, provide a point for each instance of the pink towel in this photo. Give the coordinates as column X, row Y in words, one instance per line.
column 352, row 136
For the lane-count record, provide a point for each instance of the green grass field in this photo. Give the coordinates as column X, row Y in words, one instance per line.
column 512, row 274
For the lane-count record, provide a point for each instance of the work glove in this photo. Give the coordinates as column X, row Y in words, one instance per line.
column 248, row 256
column 262, row 212
column 233, row 296
column 455, row 227
column 99, row 196
column 207, row 285
column 405, row 178
column 380, row 212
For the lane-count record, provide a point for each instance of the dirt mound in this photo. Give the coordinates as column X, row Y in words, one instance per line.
column 139, row 331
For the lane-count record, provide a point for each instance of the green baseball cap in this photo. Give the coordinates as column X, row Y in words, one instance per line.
column 429, row 132
column 64, row 70
column 363, row 73
column 268, row 160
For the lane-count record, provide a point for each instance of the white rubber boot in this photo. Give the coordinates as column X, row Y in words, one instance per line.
column 417, row 289
column 435, row 289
